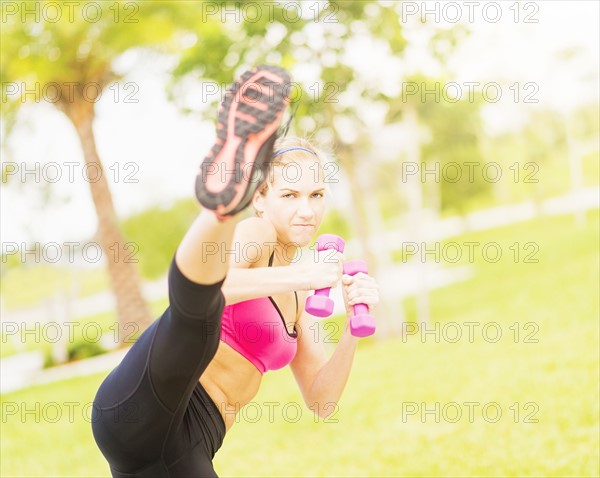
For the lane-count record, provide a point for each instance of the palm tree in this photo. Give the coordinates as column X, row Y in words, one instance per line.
column 74, row 56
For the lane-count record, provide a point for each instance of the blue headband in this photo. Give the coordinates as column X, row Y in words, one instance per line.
column 293, row 148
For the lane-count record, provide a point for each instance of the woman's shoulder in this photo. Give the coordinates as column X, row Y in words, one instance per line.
column 256, row 228
column 255, row 237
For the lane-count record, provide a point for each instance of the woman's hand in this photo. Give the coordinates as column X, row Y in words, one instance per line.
column 359, row 289
column 321, row 269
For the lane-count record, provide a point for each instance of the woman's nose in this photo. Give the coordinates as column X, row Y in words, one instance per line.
column 304, row 209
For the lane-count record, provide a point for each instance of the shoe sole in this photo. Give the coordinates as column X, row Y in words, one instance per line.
column 247, row 128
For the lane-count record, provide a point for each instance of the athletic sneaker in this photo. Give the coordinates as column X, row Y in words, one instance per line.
column 239, row 161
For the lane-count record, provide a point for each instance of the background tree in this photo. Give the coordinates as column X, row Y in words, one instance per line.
column 69, row 62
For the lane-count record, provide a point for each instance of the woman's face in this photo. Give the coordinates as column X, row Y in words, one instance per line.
column 295, row 202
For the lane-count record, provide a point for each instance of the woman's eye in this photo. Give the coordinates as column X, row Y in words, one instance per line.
column 292, row 195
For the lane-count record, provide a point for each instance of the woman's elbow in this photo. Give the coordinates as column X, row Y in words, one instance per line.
column 323, row 409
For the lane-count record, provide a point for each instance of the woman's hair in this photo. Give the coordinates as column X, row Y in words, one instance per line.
column 290, row 149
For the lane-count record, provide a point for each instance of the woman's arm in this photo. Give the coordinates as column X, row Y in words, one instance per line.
column 322, row 381
column 245, row 284
column 249, row 276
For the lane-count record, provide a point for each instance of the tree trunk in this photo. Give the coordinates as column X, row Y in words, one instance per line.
column 414, row 190
column 360, row 214
column 367, row 222
column 132, row 311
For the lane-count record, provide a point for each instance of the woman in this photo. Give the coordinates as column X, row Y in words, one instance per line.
column 232, row 314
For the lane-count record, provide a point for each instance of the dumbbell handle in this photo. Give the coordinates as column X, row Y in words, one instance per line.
column 360, row 309
column 362, row 324
column 325, row 291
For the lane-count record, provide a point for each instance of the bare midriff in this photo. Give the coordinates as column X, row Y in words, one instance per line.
column 232, row 381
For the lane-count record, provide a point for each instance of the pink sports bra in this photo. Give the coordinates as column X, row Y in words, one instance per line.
column 256, row 329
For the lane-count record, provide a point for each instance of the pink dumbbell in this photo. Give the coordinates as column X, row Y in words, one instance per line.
column 320, row 304
column 361, row 324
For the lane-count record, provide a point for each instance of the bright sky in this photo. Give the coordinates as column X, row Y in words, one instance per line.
column 161, row 148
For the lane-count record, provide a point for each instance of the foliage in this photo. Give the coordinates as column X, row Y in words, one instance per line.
column 84, row 349
column 61, row 61
column 157, row 232
column 454, row 130
column 335, row 222
column 76, row 350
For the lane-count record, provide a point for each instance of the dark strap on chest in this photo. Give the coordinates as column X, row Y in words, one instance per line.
column 295, row 293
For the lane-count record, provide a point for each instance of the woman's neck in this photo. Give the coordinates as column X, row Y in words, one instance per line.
column 285, row 254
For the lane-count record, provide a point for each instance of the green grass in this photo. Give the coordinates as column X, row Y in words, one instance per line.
column 553, row 383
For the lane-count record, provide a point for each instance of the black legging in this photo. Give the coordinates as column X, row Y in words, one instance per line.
column 151, row 417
